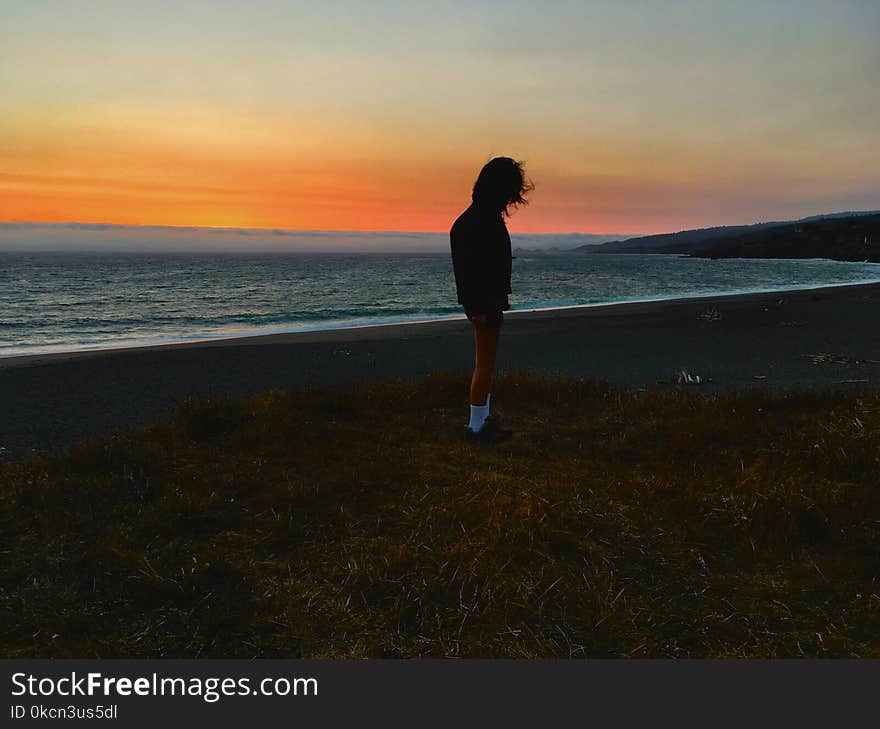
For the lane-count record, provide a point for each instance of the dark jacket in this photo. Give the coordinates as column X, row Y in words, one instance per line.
column 481, row 259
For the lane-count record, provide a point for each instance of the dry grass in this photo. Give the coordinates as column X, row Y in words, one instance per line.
column 358, row 524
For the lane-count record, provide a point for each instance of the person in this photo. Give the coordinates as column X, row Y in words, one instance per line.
column 481, row 262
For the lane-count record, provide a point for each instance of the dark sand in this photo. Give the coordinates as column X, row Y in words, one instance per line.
column 49, row 401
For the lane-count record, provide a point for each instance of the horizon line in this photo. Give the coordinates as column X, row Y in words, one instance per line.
column 283, row 231
column 214, row 228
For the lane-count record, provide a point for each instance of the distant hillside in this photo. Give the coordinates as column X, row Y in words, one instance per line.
column 855, row 238
column 831, row 235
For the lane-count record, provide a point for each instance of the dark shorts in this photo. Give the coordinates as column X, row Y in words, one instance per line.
column 494, row 317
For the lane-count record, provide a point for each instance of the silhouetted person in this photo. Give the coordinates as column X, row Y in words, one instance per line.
column 481, row 259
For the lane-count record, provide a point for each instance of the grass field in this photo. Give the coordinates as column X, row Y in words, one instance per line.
column 359, row 524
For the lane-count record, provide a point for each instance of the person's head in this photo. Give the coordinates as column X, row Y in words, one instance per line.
column 501, row 185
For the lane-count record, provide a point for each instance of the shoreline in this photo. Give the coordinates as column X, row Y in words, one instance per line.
column 819, row 337
column 255, row 337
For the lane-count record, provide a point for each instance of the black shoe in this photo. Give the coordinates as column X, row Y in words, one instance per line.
column 491, row 432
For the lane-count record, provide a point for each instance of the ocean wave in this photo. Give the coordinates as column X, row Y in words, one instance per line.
column 123, row 300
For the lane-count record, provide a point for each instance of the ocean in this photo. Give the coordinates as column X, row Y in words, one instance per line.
column 56, row 302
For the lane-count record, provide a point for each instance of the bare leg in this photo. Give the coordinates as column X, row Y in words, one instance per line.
column 486, row 347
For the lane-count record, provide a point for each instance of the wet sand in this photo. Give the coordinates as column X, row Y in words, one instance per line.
column 794, row 339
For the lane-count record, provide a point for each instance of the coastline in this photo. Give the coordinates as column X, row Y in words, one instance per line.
column 817, row 337
column 256, row 336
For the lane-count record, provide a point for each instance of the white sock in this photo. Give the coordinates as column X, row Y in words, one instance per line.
column 479, row 413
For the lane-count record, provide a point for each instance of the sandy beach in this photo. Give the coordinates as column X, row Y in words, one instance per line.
column 794, row 339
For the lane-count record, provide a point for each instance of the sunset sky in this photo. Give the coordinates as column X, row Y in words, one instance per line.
column 631, row 117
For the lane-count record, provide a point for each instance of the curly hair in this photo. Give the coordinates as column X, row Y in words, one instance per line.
column 502, row 185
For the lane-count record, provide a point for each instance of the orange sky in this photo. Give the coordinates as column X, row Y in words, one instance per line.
column 275, row 117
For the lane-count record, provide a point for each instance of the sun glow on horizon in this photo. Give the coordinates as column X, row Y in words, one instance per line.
column 332, row 121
